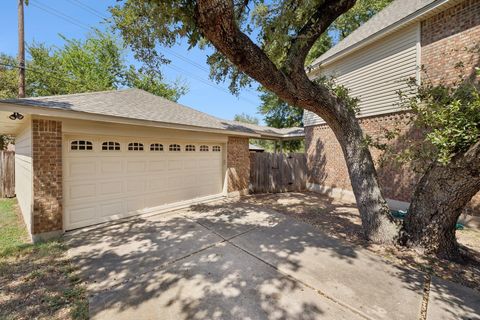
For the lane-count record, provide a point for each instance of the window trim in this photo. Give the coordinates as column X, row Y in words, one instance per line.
column 153, row 147
column 135, row 146
column 190, row 148
column 174, row 147
column 77, row 143
column 111, row 146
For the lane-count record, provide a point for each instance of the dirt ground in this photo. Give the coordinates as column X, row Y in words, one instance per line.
column 341, row 220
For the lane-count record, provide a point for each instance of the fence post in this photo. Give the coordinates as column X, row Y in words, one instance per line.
column 7, row 174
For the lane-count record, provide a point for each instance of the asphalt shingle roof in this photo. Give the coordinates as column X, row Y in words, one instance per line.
column 392, row 14
column 141, row 105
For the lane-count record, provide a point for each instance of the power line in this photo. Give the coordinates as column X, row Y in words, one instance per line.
column 61, row 16
column 80, row 24
column 172, row 52
column 87, row 8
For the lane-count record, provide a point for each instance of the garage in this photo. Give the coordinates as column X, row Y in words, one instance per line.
column 89, row 158
column 107, row 178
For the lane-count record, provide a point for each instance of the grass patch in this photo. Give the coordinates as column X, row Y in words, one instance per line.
column 12, row 229
column 37, row 281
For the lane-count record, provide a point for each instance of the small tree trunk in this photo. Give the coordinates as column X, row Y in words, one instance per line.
column 377, row 222
column 438, row 200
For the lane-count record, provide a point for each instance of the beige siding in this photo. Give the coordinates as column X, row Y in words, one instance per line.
column 24, row 173
column 375, row 73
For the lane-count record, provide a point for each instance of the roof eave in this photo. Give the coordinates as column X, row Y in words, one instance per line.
column 73, row 114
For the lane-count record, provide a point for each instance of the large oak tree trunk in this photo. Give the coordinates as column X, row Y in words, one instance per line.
column 438, row 200
column 378, row 224
column 216, row 21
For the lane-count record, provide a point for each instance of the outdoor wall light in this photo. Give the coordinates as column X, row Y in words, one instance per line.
column 15, row 116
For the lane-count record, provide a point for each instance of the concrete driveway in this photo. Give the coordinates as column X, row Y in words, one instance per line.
column 233, row 260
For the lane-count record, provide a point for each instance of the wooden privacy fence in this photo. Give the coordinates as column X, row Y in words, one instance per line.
column 7, row 174
column 277, row 172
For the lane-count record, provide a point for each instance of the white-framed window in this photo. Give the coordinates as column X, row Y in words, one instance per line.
column 203, row 148
column 111, row 146
column 135, row 146
column 156, row 147
column 174, row 147
column 216, row 149
column 81, row 145
column 189, row 147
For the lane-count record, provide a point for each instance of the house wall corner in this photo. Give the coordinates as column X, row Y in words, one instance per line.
column 47, row 179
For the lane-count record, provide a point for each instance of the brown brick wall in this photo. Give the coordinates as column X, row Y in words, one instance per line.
column 447, row 38
column 326, row 165
column 47, row 176
column 238, row 164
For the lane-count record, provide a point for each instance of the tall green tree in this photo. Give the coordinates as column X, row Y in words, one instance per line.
column 94, row 64
column 267, row 42
column 279, row 114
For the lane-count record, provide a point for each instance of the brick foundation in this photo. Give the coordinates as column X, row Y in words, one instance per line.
column 47, row 176
column 238, row 165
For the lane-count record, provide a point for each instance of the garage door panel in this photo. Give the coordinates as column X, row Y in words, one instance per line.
column 81, row 168
column 180, row 181
column 111, row 166
column 101, row 185
column 112, row 208
column 82, row 191
column 136, row 185
column 157, row 184
column 81, row 214
column 135, row 166
column 157, row 165
column 188, row 164
column 111, row 188
column 174, row 164
column 135, row 204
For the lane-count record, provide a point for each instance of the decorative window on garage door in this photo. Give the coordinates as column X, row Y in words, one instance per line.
column 111, row 146
column 156, row 147
column 135, row 146
column 174, row 147
column 189, row 147
column 81, row 145
column 203, row 148
column 216, row 149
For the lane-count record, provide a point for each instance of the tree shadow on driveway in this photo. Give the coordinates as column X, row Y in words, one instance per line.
column 233, row 260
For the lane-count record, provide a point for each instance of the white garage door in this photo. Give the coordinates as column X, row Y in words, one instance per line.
column 108, row 178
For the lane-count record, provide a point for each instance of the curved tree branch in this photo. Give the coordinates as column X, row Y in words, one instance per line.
column 216, row 19
column 326, row 13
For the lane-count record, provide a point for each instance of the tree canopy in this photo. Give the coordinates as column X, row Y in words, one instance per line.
column 94, row 64
column 280, row 114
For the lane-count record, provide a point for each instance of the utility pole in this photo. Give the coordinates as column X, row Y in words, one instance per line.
column 21, row 51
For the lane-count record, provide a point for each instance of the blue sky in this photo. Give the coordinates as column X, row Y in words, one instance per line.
column 44, row 22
